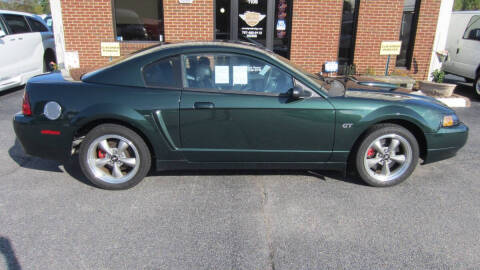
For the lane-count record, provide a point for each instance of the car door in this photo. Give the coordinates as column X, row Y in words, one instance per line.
column 21, row 43
column 8, row 54
column 235, row 108
column 467, row 55
column 163, row 79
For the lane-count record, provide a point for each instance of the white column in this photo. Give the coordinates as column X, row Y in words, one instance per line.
column 441, row 34
column 56, row 10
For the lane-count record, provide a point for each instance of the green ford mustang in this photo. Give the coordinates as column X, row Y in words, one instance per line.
column 219, row 105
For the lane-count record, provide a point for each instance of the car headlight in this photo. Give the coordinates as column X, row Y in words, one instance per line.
column 450, row 120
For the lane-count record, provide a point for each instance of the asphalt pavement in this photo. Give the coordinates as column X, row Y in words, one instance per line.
column 51, row 218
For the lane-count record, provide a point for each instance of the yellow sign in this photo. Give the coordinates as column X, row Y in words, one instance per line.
column 390, row 47
column 110, row 49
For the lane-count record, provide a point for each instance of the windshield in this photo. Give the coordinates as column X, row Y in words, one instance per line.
column 317, row 79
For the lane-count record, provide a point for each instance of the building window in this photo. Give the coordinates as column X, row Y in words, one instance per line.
column 139, row 22
column 222, row 19
column 347, row 35
column 407, row 32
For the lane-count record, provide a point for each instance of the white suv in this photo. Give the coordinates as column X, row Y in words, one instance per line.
column 27, row 48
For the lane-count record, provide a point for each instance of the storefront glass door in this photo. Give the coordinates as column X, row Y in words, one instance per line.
column 264, row 22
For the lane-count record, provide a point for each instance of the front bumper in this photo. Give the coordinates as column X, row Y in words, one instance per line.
column 445, row 143
column 35, row 143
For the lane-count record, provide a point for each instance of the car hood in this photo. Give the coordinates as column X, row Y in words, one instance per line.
column 397, row 96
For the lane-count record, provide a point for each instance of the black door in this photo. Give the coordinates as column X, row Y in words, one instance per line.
column 263, row 22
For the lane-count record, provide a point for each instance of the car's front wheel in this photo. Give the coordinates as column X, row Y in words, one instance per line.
column 114, row 157
column 387, row 155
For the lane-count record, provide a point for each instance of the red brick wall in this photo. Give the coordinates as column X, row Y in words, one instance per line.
column 315, row 32
column 316, row 26
column 426, row 28
column 188, row 21
column 87, row 23
column 378, row 20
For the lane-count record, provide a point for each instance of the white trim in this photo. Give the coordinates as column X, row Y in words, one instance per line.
column 58, row 31
column 440, row 43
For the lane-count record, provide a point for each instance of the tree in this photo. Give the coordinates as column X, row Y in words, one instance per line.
column 466, row 5
column 31, row 6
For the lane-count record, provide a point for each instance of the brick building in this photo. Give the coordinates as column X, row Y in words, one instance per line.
column 309, row 32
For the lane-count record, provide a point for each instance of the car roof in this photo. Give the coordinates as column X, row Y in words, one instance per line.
column 12, row 12
column 187, row 44
column 125, row 64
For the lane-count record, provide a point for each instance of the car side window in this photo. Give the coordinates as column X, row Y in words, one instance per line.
column 2, row 28
column 37, row 26
column 473, row 29
column 163, row 73
column 16, row 23
column 234, row 72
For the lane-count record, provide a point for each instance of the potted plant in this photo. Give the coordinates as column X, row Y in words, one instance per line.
column 437, row 87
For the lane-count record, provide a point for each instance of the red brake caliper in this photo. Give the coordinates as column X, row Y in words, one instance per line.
column 370, row 152
column 101, row 154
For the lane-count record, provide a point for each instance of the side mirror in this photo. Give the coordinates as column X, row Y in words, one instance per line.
column 296, row 92
column 2, row 33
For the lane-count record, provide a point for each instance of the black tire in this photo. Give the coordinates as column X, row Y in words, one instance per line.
column 476, row 85
column 141, row 155
column 49, row 57
column 407, row 141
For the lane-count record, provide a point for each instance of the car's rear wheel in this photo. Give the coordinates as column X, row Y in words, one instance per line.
column 387, row 155
column 49, row 60
column 476, row 85
column 114, row 157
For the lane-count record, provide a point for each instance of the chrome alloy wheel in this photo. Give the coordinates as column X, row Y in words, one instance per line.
column 113, row 159
column 388, row 157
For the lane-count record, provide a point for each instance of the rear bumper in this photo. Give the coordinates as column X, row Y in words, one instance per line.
column 48, row 144
column 445, row 143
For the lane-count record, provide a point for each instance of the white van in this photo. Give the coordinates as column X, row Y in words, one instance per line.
column 27, row 48
column 463, row 46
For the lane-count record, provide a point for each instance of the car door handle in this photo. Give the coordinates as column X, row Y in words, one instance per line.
column 203, row 105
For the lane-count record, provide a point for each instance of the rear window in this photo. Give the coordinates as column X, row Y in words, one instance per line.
column 16, row 23
column 163, row 73
column 37, row 26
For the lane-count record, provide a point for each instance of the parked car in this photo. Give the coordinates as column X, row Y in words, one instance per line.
column 463, row 46
column 49, row 22
column 222, row 105
column 27, row 48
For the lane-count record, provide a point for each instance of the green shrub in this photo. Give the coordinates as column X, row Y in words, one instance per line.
column 438, row 76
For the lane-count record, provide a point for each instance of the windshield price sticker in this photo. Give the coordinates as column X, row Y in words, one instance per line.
column 222, row 75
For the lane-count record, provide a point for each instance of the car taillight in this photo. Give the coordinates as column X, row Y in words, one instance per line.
column 26, row 110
